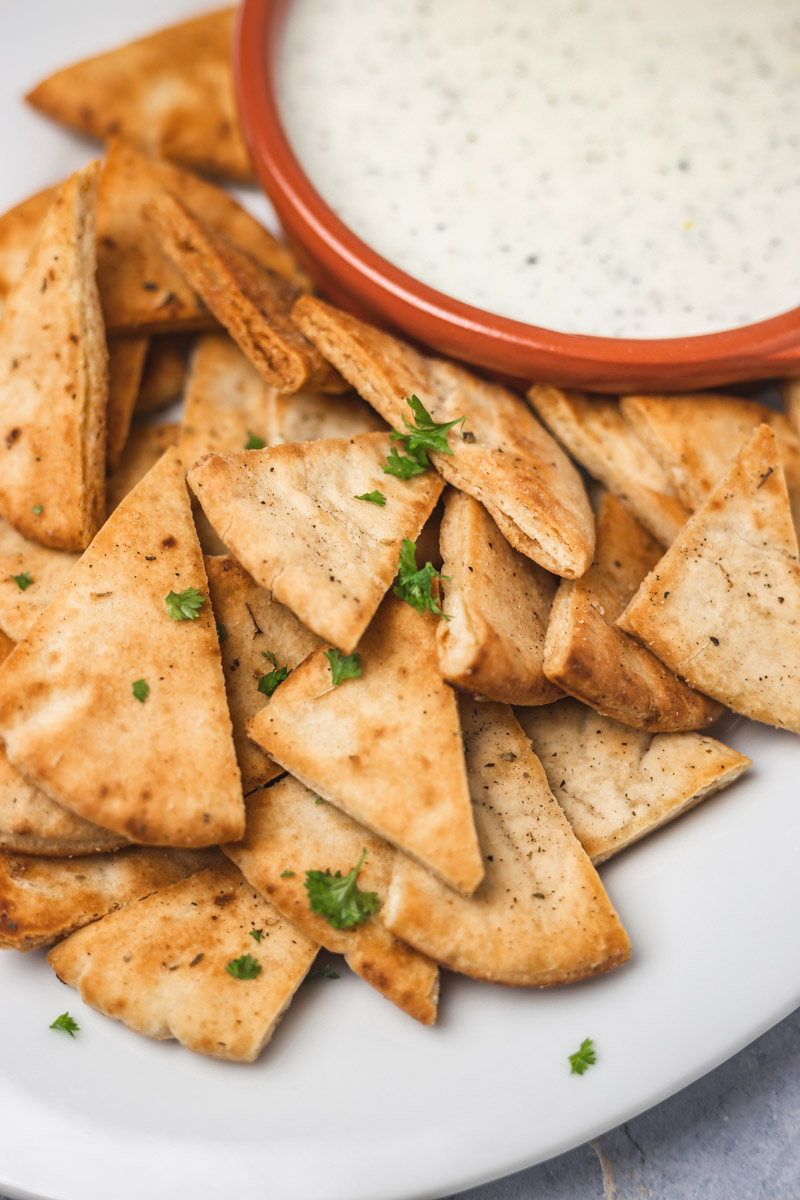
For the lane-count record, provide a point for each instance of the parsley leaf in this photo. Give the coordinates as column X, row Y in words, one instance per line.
column 414, row 586
column 375, row 497
column 425, row 433
column 273, row 679
column 140, row 689
column 287, row 874
column 317, row 799
column 406, row 466
column 583, row 1058
column 256, row 935
column 343, row 667
column 66, row 1023
column 22, row 581
column 253, row 442
column 244, row 967
column 37, row 509
column 327, row 970
column 339, row 899
column 184, row 606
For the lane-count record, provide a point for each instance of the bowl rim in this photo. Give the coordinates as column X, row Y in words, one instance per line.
column 753, row 351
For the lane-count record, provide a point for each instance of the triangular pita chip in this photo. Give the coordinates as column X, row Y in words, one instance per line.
column 252, row 301
column 170, row 93
column 289, row 833
column 310, row 416
column 42, row 901
column 616, row 784
column 164, row 373
column 541, row 915
column 590, row 658
column 18, row 230
column 593, row 430
column 501, row 454
column 252, row 628
column 32, row 823
column 125, row 365
column 292, row 517
column 54, row 380
column 498, row 603
column 163, row 770
column 385, row 747
column 722, row 607
column 159, row 965
column 144, row 447
column 696, row 438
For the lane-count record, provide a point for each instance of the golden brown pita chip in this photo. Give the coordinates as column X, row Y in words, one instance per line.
column 593, row 430
column 226, row 400
column 18, row 230
column 790, row 392
column 615, row 784
column 697, row 437
column 541, row 915
column 170, row 93
column 6, row 646
column 160, row 965
column 498, row 603
column 144, row 447
column 289, row 834
column 590, row 658
column 125, row 364
column 292, row 516
column 252, row 301
column 386, row 747
column 311, row 416
column 164, row 374
column 501, row 455
column 47, row 570
column 161, row 770
column 42, row 901
column 54, row 380
column 722, row 607
column 253, row 630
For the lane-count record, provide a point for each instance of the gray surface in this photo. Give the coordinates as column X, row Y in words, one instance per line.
column 734, row 1135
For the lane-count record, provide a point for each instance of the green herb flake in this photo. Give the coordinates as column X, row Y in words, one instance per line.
column 38, row 509
column 327, row 971
column 256, row 935
column 339, row 899
column 343, row 666
column 583, row 1058
column 406, row 466
column 375, row 497
column 423, row 432
column 273, row 679
column 140, row 689
column 254, row 442
column 222, row 634
column 185, row 606
column 66, row 1023
column 22, row 581
column 287, row 874
column 317, row 799
column 415, row 586
column 244, row 967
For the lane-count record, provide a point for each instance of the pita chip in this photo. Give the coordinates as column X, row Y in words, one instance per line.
column 21, row 560
column 164, row 374
column 386, row 747
column 42, row 901
column 501, row 455
column 226, row 400
column 54, row 380
column 697, row 437
column 790, row 393
column 722, row 607
column 541, row 915
column 594, row 432
column 498, row 602
column 292, row 516
column 590, row 658
column 18, row 231
column 287, row 831
column 252, row 301
column 254, row 630
column 160, row 770
column 126, row 358
column 160, row 965
column 170, row 93
column 6, row 646
column 311, row 416
column 145, row 446
column 615, row 784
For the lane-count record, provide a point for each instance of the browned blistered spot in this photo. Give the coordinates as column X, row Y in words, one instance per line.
column 73, row 337
column 109, row 242
column 168, row 543
column 13, row 436
column 224, row 899
column 144, row 794
column 103, row 790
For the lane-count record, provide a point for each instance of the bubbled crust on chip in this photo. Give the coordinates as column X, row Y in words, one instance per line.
column 159, row 965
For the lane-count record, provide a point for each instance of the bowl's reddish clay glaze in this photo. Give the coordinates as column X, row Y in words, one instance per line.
column 354, row 276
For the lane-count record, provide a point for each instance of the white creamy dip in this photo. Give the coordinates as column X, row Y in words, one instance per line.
column 617, row 167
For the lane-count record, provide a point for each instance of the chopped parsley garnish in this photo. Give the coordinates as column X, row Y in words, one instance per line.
column 413, row 585
column 222, row 634
column 287, row 874
column 327, row 971
column 22, row 581
column 66, row 1023
column 254, row 442
column 38, row 509
column 375, row 497
column 422, row 434
column 140, row 689
column 343, row 666
column 256, row 935
column 339, row 899
column 244, row 967
column 269, row 682
column 185, row 606
column 317, row 799
column 406, row 466
column 583, row 1058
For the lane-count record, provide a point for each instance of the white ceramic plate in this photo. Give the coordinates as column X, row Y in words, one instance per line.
column 353, row 1100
